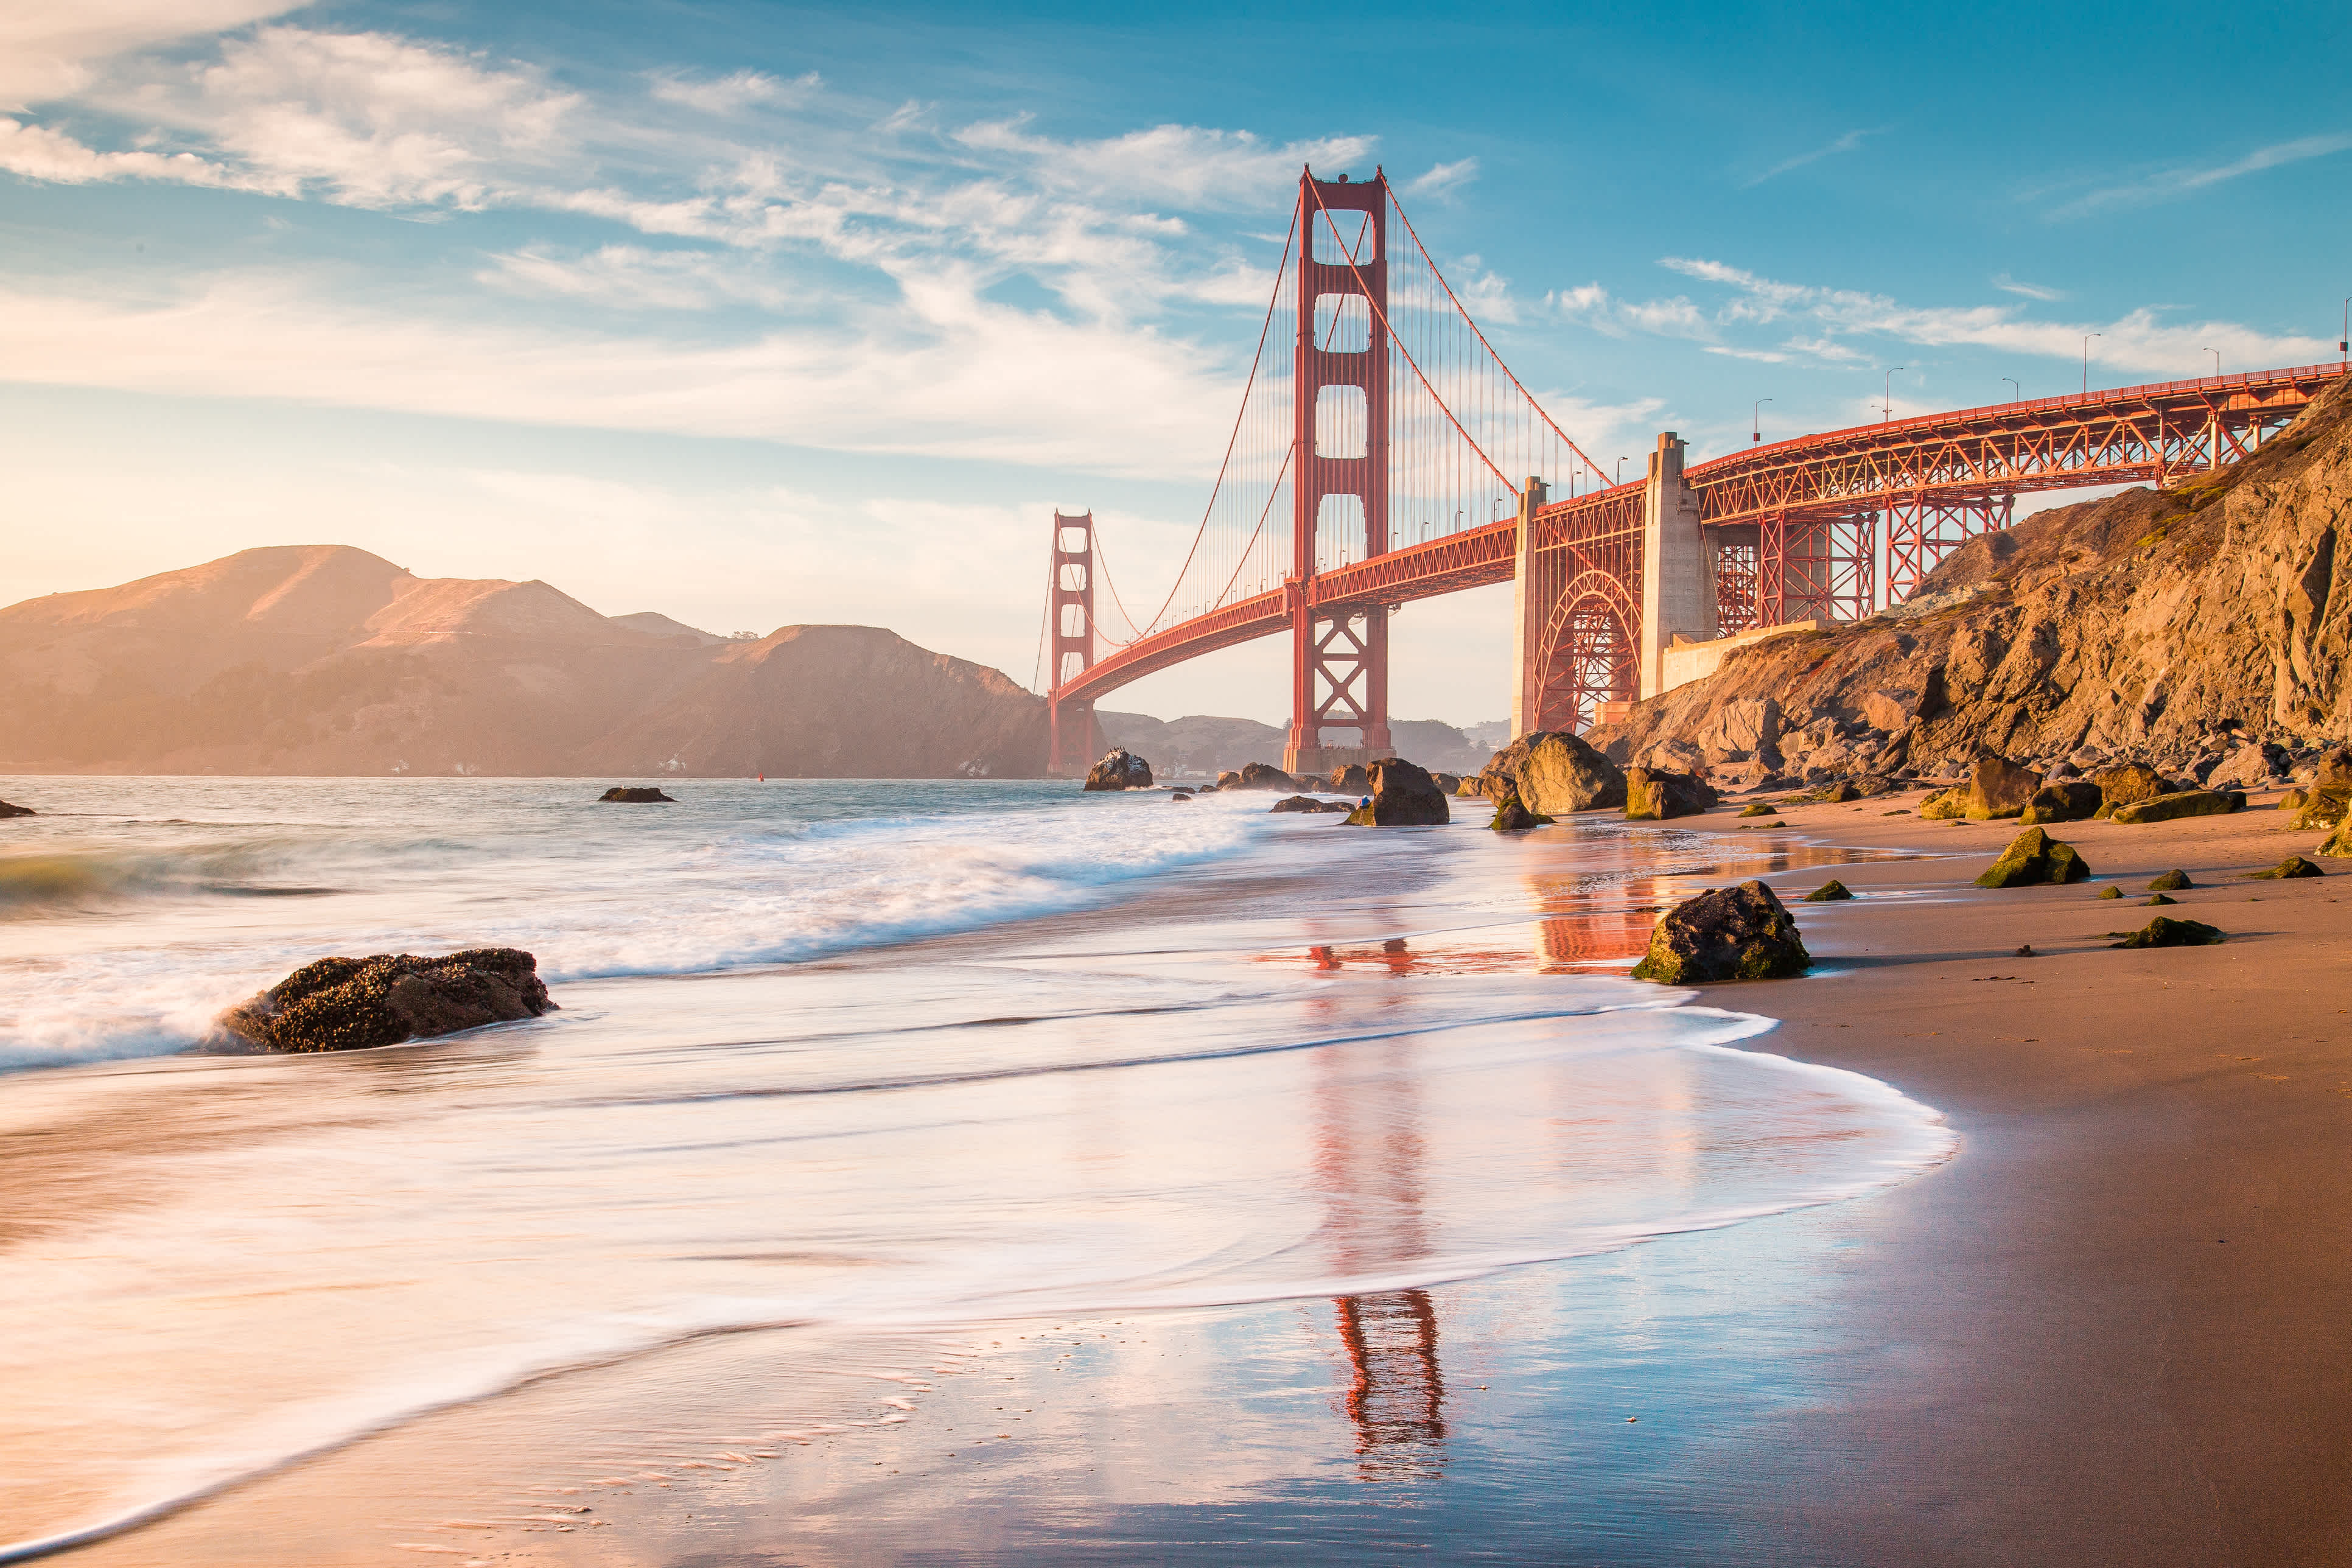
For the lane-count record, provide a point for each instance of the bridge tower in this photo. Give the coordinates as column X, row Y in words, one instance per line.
column 1076, row 737
column 1340, row 468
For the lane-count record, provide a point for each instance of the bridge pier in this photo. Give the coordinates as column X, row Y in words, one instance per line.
column 1678, row 587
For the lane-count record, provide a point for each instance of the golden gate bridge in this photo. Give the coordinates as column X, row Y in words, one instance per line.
column 1383, row 452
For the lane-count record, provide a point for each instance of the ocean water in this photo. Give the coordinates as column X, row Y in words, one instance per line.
column 836, row 1064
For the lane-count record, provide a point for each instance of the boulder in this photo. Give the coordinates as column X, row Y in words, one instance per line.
column 1945, row 804
column 1740, row 728
column 2172, row 882
column 2323, row 806
column 1652, row 796
column 1450, row 782
column 2166, row 808
column 635, row 795
column 2166, row 931
column 1403, row 796
column 1889, row 710
column 2127, row 784
column 1120, row 769
column 1997, row 787
column 1229, row 779
column 1828, row 892
column 2072, row 801
column 2109, row 893
column 349, row 1003
column 1473, row 788
column 1306, row 803
column 1758, row 809
column 2248, row 767
column 1262, row 776
column 2033, row 856
column 2334, row 768
column 1511, row 815
column 2155, row 899
column 1557, row 773
column 2291, row 867
column 1726, row 933
column 1350, row 779
column 7, row 810
column 1673, row 754
column 1181, row 797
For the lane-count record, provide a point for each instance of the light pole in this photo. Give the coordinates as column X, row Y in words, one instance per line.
column 1755, row 428
column 2086, row 360
column 2344, row 344
column 1886, row 401
column 2217, row 363
column 2015, row 388
column 1620, row 471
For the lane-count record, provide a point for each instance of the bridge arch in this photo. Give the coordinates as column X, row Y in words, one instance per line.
column 1588, row 654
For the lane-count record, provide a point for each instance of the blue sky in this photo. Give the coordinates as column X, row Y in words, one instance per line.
column 754, row 314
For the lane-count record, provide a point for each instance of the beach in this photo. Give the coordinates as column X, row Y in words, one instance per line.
column 1939, row 1254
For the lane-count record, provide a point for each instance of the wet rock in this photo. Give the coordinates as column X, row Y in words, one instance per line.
column 2172, row 882
column 1727, row 933
column 1997, row 787
column 2293, row 866
column 7, row 810
column 2070, row 801
column 1557, row 773
column 2169, row 808
column 2031, row 857
column 1120, row 769
column 350, row 1003
column 635, row 795
column 1471, row 787
column 1450, row 782
column 2323, row 806
column 1230, row 779
column 2109, row 893
column 2166, row 931
column 1760, row 809
column 1181, row 797
column 2154, row 898
column 1945, row 805
column 1655, row 796
column 1403, row 796
column 1350, row 779
column 1511, row 815
column 1828, row 892
column 1262, row 776
column 1307, row 803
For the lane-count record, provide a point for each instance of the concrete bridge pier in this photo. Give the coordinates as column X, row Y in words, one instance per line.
column 1678, row 595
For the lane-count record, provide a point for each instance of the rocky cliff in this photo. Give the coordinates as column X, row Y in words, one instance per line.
column 326, row 659
column 2204, row 629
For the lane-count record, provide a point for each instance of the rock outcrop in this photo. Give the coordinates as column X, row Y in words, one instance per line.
column 1403, row 796
column 636, row 794
column 7, row 810
column 2204, row 626
column 1654, row 797
column 2186, row 803
column 1261, row 776
column 2070, row 800
column 351, row 1004
column 1556, row 774
column 2293, row 866
column 1120, row 769
column 1726, row 933
column 1511, row 815
column 2033, row 856
column 1308, row 804
column 2165, row 932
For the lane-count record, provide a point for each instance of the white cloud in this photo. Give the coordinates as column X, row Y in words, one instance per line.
column 732, row 94
column 38, row 153
column 2171, row 183
column 1186, row 165
column 50, row 48
column 1443, row 179
column 2009, row 285
column 632, row 277
column 1849, row 142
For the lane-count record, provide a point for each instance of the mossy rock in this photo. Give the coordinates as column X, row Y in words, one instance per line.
column 1724, row 933
column 2155, row 899
column 2172, row 882
column 2069, row 800
column 2293, row 866
column 2171, row 808
column 1828, row 892
column 2032, row 858
column 1945, row 805
column 1511, row 815
column 2166, row 931
column 1758, row 809
column 2109, row 893
column 2322, row 807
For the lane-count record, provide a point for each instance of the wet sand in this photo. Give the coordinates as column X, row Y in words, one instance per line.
column 2115, row 1329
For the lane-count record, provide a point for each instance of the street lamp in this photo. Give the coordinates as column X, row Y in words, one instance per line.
column 1620, row 471
column 2015, row 388
column 1755, row 428
column 2344, row 344
column 2086, row 360
column 1886, row 402
column 2217, row 363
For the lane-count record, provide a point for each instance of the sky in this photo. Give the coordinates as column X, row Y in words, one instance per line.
column 755, row 314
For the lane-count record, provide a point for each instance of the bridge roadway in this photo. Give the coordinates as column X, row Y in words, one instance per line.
column 1761, row 498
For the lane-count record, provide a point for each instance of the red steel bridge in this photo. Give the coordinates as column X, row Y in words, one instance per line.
column 1384, row 453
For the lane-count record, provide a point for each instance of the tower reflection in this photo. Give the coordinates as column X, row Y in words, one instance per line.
column 1397, row 1399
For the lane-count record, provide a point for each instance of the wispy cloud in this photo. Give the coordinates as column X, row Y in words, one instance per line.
column 1849, row 142
column 734, row 93
column 2009, row 285
column 2170, row 184
column 1443, row 179
column 50, row 48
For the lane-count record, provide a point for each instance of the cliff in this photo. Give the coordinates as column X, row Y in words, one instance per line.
column 2175, row 627
column 326, row 659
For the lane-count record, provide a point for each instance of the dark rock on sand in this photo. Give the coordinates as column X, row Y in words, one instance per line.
column 1183, row 795
column 2291, row 867
column 2172, row 882
column 1652, row 796
column 1350, row 779
column 2109, row 893
column 1758, row 809
column 2033, row 856
column 1997, row 787
column 2129, row 783
column 1120, row 769
column 1511, row 815
column 2181, row 803
column 1306, row 803
column 2166, row 931
column 1260, row 775
column 2070, row 801
column 1726, row 933
column 7, row 810
column 1403, row 796
column 1828, row 892
column 2154, row 898
column 350, row 1003
column 636, row 795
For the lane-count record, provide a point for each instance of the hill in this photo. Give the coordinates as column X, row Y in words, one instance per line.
column 327, row 659
column 2202, row 627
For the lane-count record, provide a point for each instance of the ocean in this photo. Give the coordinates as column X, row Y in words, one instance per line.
column 858, row 1092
